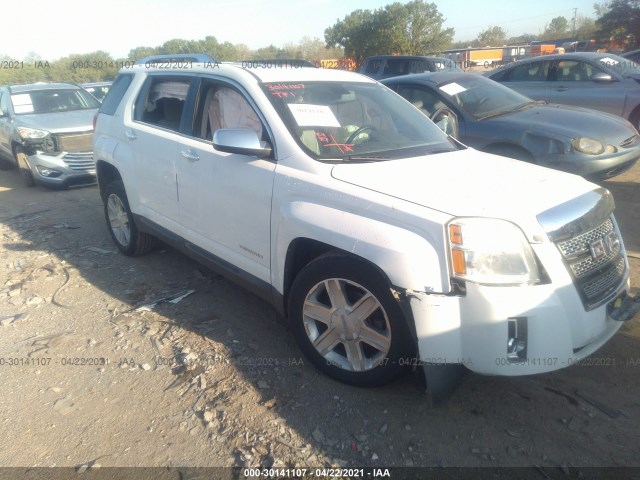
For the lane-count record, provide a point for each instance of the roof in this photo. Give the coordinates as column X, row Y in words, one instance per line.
column 262, row 73
column 42, row 86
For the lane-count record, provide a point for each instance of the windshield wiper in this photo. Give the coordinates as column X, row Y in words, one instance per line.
column 514, row 109
column 365, row 158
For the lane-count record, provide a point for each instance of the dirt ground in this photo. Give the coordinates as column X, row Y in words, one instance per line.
column 96, row 372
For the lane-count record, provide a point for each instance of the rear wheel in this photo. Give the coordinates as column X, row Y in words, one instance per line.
column 23, row 165
column 122, row 227
column 347, row 321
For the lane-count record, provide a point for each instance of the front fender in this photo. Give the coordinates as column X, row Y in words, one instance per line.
column 412, row 260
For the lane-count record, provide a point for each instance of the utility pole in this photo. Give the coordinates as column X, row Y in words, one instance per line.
column 575, row 12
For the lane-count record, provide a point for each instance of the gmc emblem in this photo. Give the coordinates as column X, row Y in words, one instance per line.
column 605, row 246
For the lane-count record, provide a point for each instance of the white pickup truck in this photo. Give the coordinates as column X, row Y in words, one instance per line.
column 386, row 243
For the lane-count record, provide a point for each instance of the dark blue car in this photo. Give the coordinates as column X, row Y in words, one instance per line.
column 488, row 116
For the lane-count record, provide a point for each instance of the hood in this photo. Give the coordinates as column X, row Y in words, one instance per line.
column 568, row 121
column 469, row 183
column 60, row 122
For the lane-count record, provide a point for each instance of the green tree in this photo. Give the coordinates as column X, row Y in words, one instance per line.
column 585, row 27
column 355, row 33
column 424, row 29
column 601, row 8
column 414, row 28
column 493, row 36
column 558, row 28
column 621, row 22
column 141, row 52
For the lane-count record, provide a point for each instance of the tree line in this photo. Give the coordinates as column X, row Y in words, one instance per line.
column 413, row 28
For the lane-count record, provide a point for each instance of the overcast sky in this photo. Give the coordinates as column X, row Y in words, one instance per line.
column 57, row 28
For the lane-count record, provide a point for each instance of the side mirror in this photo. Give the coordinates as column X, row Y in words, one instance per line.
column 243, row 141
column 601, row 78
column 447, row 121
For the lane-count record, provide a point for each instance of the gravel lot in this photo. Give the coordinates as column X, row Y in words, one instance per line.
column 98, row 370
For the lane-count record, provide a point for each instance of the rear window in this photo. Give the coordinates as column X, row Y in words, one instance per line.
column 115, row 94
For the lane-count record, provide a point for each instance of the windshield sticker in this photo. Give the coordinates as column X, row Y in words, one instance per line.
column 609, row 61
column 284, row 86
column 307, row 115
column 285, row 90
column 452, row 89
column 22, row 103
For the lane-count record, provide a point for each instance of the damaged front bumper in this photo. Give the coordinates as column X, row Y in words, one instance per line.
column 63, row 169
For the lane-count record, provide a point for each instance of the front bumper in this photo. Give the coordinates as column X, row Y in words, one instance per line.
column 594, row 166
column 475, row 330
column 64, row 169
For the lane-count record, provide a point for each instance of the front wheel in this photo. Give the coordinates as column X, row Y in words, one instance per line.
column 347, row 322
column 122, row 227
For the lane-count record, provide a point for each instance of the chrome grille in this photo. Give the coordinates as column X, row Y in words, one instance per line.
column 605, row 283
column 580, row 244
column 80, row 161
column 596, row 277
column 75, row 142
column 583, row 267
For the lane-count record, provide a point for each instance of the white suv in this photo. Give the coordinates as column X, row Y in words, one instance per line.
column 386, row 243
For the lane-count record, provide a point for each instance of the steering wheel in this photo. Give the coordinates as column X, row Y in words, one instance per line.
column 451, row 127
column 363, row 128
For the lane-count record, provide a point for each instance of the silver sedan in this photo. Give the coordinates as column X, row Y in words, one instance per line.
column 601, row 81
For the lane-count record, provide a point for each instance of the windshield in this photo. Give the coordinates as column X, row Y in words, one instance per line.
column 354, row 121
column 52, row 101
column 481, row 97
column 624, row 66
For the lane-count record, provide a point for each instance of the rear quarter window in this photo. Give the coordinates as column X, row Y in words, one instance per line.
column 116, row 93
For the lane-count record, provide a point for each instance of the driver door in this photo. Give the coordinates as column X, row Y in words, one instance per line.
column 225, row 198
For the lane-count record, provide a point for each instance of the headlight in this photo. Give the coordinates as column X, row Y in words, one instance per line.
column 588, row 146
column 31, row 133
column 491, row 252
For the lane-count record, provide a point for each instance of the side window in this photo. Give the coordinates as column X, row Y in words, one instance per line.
column 115, row 94
column 221, row 106
column 423, row 99
column 575, row 71
column 396, row 67
column 528, row 72
column 373, row 66
column 162, row 101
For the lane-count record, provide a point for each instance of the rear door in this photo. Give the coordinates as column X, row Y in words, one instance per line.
column 155, row 131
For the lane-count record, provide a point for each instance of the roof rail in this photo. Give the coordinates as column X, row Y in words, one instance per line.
column 176, row 58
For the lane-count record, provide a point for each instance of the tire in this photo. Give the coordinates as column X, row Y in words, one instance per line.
column 365, row 349
column 25, row 171
column 121, row 225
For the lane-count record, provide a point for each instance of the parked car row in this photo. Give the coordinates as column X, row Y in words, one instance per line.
column 50, row 140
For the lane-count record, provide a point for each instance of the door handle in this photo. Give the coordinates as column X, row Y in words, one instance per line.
column 130, row 134
column 562, row 89
column 190, row 155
